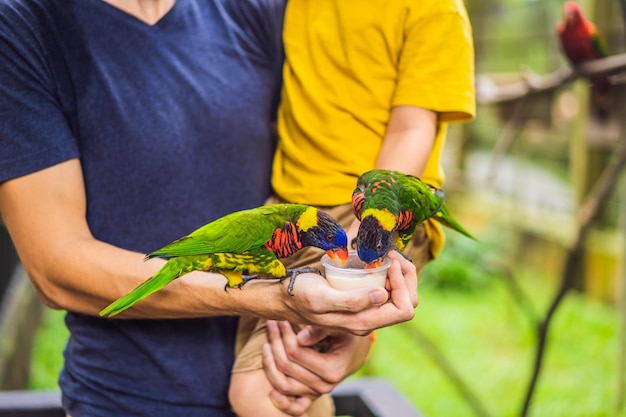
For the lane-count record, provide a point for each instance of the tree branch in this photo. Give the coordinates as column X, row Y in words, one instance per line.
column 587, row 212
column 487, row 92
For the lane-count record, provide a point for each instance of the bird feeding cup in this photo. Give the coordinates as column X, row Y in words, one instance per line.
column 352, row 274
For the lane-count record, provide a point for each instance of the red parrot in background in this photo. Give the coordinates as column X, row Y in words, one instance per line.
column 581, row 42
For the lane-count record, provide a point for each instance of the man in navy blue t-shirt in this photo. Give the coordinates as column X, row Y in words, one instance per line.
column 125, row 124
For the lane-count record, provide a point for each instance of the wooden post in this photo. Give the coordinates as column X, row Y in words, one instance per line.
column 621, row 351
column 593, row 143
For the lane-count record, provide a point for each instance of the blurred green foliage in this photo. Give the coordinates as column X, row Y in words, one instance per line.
column 48, row 346
column 463, row 265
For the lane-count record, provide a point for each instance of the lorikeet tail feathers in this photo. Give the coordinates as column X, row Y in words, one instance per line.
column 167, row 274
column 443, row 216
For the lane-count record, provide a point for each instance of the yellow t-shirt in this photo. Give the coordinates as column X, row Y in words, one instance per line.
column 348, row 62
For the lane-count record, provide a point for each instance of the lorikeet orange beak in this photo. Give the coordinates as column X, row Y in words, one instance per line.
column 375, row 264
column 341, row 253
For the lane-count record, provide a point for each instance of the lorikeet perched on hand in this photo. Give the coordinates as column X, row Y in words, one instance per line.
column 243, row 244
column 391, row 202
column 581, row 42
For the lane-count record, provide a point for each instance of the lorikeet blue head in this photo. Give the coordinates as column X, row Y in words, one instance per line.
column 373, row 241
column 328, row 235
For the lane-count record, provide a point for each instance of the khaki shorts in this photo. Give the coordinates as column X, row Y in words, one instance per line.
column 252, row 334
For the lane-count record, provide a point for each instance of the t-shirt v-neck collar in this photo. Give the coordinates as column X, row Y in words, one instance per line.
column 117, row 13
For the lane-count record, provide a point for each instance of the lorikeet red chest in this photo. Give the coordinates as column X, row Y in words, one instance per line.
column 284, row 242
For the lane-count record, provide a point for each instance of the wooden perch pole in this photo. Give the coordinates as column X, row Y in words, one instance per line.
column 532, row 84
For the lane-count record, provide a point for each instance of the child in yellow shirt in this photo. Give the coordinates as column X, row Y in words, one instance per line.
column 367, row 84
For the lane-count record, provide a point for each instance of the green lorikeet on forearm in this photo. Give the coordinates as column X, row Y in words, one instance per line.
column 390, row 203
column 242, row 245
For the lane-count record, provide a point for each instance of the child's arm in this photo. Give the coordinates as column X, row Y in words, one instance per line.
column 408, row 140
column 407, row 145
column 249, row 396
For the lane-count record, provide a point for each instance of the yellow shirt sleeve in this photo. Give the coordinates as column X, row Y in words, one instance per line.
column 436, row 65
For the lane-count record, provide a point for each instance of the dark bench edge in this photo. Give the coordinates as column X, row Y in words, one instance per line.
column 379, row 396
column 363, row 397
column 31, row 404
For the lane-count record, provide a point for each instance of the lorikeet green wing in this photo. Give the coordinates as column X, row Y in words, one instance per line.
column 235, row 232
column 598, row 44
column 418, row 202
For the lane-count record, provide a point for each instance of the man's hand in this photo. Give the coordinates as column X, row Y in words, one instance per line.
column 318, row 303
column 300, row 371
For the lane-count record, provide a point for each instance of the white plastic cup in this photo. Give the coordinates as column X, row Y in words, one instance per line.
column 352, row 274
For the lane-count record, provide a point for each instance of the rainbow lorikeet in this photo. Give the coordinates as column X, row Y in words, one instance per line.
column 390, row 203
column 242, row 245
column 581, row 42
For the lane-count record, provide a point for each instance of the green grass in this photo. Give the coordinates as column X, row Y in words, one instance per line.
column 490, row 343
column 482, row 332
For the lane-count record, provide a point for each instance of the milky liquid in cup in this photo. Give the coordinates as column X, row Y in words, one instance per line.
column 352, row 275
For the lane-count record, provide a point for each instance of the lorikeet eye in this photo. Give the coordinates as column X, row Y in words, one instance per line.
column 379, row 246
column 329, row 237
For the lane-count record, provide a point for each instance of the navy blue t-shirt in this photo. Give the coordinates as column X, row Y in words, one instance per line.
column 172, row 124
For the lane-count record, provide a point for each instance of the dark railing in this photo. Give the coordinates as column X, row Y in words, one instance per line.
column 371, row 397
column 31, row 404
column 364, row 397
